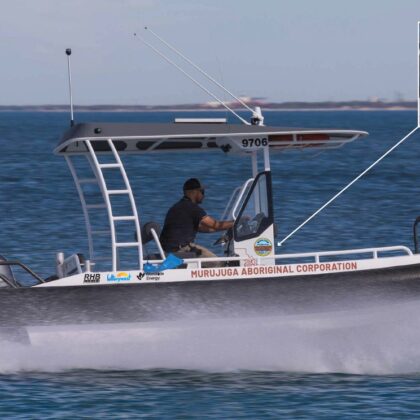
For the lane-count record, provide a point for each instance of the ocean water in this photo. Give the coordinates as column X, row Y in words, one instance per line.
column 345, row 364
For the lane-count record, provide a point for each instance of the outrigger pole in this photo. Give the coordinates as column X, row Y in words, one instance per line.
column 68, row 53
column 199, row 69
column 348, row 186
column 377, row 161
column 257, row 117
column 191, row 78
column 418, row 73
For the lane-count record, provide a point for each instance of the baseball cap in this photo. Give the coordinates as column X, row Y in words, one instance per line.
column 192, row 184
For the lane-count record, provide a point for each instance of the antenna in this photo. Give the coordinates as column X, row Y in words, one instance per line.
column 191, row 78
column 68, row 53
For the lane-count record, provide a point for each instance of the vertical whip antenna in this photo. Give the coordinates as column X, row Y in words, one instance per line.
column 191, row 78
column 176, row 51
column 68, row 53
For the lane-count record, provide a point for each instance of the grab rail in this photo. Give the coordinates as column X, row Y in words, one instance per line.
column 315, row 255
column 23, row 266
column 157, row 242
column 8, row 281
column 374, row 251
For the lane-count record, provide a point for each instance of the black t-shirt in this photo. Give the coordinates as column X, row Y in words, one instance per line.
column 181, row 224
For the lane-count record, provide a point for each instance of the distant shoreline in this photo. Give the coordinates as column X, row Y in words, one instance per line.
column 267, row 107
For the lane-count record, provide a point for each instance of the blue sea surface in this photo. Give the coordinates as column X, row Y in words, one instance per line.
column 300, row 372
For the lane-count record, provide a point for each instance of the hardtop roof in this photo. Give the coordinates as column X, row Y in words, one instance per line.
column 130, row 133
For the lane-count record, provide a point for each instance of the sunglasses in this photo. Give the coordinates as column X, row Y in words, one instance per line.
column 202, row 190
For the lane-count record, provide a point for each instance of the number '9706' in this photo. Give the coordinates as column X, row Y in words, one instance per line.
column 255, row 142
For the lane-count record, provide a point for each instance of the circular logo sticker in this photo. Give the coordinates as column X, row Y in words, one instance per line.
column 263, row 247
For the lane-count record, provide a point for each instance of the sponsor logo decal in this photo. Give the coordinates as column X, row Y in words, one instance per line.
column 154, row 276
column 122, row 276
column 92, row 278
column 263, row 247
column 150, row 276
column 249, row 262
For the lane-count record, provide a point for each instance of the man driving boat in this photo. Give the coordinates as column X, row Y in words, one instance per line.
column 185, row 218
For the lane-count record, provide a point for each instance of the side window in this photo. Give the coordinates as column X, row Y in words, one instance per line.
column 256, row 213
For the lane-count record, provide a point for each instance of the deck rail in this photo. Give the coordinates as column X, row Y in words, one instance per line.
column 13, row 282
column 376, row 253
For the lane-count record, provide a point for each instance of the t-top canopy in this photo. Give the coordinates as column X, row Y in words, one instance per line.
column 147, row 138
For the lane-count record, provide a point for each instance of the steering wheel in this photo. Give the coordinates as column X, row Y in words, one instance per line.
column 257, row 219
column 248, row 227
column 245, row 227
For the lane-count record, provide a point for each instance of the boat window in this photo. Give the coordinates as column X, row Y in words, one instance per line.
column 103, row 146
column 256, row 214
column 236, row 200
column 144, row 144
column 170, row 145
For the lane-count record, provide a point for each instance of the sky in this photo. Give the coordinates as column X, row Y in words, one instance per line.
column 281, row 50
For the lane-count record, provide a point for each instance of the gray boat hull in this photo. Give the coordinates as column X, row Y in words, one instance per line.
column 203, row 299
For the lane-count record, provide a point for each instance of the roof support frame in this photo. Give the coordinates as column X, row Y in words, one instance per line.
column 82, row 198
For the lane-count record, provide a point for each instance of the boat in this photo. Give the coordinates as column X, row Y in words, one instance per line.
column 128, row 283
column 253, row 279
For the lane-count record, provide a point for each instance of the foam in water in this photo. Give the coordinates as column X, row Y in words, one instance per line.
column 384, row 340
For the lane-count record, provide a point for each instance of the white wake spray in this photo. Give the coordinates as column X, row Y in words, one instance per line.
column 385, row 340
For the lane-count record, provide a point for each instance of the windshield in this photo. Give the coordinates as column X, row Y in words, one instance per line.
column 256, row 213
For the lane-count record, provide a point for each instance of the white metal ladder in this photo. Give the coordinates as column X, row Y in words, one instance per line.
column 107, row 193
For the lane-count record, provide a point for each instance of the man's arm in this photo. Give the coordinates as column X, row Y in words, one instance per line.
column 208, row 225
